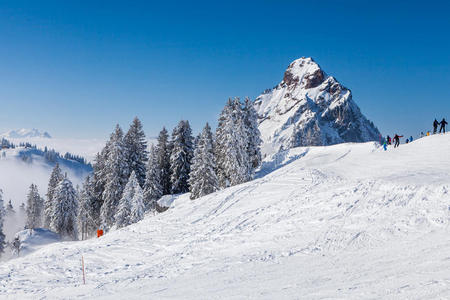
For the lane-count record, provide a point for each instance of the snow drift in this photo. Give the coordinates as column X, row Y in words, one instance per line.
column 348, row 221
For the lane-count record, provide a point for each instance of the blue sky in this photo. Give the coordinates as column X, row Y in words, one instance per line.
column 78, row 68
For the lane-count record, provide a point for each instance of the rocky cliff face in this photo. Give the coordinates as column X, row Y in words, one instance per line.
column 310, row 108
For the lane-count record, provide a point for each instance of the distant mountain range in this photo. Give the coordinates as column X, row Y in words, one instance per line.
column 25, row 133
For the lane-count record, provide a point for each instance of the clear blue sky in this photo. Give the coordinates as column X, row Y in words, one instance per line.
column 76, row 69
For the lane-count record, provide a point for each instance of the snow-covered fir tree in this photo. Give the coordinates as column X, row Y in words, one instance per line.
column 55, row 178
column 123, row 214
column 64, row 217
column 116, row 178
column 153, row 189
column 131, row 206
column 9, row 208
column 136, row 147
column 87, row 222
column 253, row 133
column 203, row 179
column 163, row 150
column 233, row 163
column 137, row 205
column 35, row 207
column 99, row 182
column 181, row 157
column 2, row 217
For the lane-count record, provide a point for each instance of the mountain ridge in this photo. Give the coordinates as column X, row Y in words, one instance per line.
column 310, row 108
column 25, row 133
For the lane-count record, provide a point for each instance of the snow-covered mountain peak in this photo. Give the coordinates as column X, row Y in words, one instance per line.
column 303, row 72
column 310, row 108
column 26, row 133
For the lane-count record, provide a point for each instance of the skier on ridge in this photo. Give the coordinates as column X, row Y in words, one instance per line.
column 435, row 126
column 397, row 140
column 443, row 123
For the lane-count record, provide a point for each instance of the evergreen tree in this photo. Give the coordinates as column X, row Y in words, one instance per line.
column 203, row 179
column 9, row 208
column 116, row 178
column 87, row 222
column 253, row 134
column 181, row 157
column 153, row 189
column 64, row 217
column 2, row 215
column 136, row 146
column 137, row 205
column 123, row 213
column 55, row 178
column 163, row 150
column 34, row 208
column 233, row 163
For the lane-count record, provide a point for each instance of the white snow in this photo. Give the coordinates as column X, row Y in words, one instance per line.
column 33, row 239
column 349, row 221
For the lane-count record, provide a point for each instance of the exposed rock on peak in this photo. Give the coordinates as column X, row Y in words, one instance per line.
column 310, row 108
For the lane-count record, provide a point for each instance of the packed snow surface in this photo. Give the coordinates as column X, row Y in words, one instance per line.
column 348, row 221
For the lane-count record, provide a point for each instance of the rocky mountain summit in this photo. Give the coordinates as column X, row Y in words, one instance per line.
column 310, row 108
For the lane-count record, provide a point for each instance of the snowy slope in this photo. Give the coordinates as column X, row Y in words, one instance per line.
column 310, row 108
column 348, row 221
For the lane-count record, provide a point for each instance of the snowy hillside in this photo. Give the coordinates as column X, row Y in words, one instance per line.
column 20, row 167
column 87, row 148
column 348, row 221
column 310, row 108
column 25, row 133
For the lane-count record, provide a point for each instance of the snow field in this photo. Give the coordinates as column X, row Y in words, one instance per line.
column 349, row 221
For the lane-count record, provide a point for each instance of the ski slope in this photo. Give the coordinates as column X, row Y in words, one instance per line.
column 348, row 221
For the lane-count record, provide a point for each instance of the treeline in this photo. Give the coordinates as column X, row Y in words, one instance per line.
column 128, row 180
column 49, row 154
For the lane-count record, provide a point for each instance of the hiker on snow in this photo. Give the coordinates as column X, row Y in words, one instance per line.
column 397, row 140
column 443, row 123
column 435, row 126
column 388, row 138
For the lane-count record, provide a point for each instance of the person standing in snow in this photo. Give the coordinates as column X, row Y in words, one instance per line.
column 397, row 140
column 388, row 139
column 443, row 123
column 410, row 139
column 435, row 126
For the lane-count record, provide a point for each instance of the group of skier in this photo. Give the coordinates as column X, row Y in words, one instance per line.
column 396, row 139
column 436, row 124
